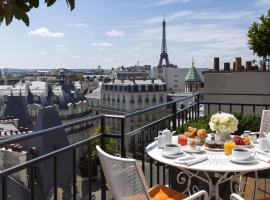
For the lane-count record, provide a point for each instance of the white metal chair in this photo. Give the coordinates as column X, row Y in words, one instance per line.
column 236, row 197
column 126, row 181
column 265, row 121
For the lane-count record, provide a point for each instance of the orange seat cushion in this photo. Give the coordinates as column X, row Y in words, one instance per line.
column 160, row 192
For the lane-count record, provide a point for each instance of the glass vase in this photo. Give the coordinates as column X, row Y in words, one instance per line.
column 222, row 137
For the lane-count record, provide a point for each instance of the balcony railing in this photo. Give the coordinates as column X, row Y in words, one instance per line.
column 174, row 116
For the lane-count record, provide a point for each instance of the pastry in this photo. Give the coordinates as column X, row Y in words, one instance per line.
column 201, row 133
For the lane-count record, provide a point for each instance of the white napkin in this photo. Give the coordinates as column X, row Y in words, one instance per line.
column 263, row 158
column 190, row 160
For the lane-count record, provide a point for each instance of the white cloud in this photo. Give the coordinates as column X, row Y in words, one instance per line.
column 43, row 53
column 44, row 32
column 79, row 25
column 107, row 60
column 76, row 56
column 102, row 44
column 203, row 15
column 165, row 2
column 203, row 38
column 63, row 49
column 115, row 33
column 263, row 2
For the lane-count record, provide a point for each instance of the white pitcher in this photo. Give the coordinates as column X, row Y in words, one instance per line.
column 168, row 135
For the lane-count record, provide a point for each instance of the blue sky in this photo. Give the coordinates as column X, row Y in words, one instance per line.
column 111, row 33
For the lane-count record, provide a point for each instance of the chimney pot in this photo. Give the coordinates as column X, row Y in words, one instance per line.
column 227, row 66
column 216, row 63
column 238, row 63
column 248, row 65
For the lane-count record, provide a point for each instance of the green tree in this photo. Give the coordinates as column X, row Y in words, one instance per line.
column 259, row 37
column 111, row 148
column 19, row 9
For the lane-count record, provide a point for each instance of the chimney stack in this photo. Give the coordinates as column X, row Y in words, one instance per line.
column 264, row 65
column 248, row 65
column 216, row 63
column 238, row 63
column 227, row 66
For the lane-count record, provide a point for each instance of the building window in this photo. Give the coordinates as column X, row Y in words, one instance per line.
column 131, row 99
column 124, row 99
column 161, row 99
column 175, row 80
column 146, row 99
column 143, row 88
column 154, row 98
column 139, row 99
column 175, row 85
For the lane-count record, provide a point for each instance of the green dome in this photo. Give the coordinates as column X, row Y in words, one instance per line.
column 193, row 75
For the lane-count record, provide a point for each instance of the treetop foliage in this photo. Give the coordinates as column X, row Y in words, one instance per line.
column 259, row 36
column 18, row 9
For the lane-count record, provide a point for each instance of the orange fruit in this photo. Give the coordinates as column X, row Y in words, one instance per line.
column 246, row 140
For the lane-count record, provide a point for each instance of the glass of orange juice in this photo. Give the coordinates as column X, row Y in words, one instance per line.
column 228, row 146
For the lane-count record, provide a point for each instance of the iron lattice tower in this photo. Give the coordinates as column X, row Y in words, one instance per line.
column 164, row 54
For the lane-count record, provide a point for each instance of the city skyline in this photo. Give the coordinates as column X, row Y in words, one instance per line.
column 124, row 32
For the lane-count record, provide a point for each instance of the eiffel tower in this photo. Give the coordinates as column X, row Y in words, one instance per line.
column 164, row 54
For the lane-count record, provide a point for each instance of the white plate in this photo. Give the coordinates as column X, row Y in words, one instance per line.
column 212, row 149
column 245, row 146
column 251, row 160
column 188, row 149
column 175, row 155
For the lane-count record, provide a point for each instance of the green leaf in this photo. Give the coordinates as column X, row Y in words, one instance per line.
column 9, row 14
column 34, row 3
column 50, row 2
column 71, row 4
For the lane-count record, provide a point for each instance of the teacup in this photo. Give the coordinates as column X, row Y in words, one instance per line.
column 172, row 148
column 241, row 154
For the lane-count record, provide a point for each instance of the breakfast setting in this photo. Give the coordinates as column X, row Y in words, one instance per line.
column 195, row 144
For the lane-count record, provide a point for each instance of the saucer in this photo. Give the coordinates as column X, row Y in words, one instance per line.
column 213, row 149
column 174, row 155
column 251, row 160
column 197, row 149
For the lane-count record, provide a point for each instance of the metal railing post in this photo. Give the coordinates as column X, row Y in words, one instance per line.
column 103, row 146
column 4, row 188
column 123, row 148
column 174, row 110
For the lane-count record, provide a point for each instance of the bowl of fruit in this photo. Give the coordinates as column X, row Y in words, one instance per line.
column 198, row 135
column 242, row 141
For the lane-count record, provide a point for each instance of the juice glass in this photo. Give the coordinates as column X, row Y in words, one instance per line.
column 182, row 139
column 228, row 146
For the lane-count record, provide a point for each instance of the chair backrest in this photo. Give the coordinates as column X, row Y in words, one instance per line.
column 265, row 122
column 124, row 177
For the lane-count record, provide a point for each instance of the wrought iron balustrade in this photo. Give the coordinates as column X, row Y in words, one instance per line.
column 169, row 115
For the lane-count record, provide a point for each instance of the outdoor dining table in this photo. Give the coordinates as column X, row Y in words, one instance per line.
column 217, row 162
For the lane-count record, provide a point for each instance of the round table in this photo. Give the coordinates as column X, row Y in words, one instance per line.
column 217, row 162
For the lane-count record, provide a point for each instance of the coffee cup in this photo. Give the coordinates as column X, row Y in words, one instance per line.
column 172, row 148
column 160, row 141
column 241, row 154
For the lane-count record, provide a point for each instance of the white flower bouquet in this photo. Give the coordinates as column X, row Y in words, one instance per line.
column 223, row 123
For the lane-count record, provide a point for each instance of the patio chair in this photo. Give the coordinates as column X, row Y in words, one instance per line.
column 265, row 122
column 126, row 181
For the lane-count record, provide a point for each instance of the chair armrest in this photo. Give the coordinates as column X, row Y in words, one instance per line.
column 236, row 197
column 198, row 194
